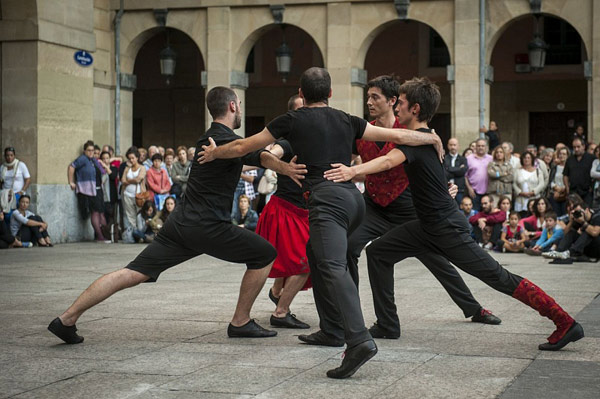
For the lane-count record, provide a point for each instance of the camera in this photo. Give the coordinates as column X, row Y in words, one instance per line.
column 577, row 214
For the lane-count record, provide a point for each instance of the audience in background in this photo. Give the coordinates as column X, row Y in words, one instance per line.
column 577, row 172
column 132, row 183
column 27, row 226
column 477, row 175
column 245, row 217
column 528, row 182
column 512, row 238
column 143, row 231
column 14, row 178
column 180, row 171
column 456, row 167
column 500, row 176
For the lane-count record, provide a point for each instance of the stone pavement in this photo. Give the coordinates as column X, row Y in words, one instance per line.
column 168, row 340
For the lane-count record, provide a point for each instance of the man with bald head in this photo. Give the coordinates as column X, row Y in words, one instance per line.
column 456, row 166
column 476, row 176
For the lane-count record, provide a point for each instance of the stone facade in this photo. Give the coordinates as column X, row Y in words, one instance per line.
column 50, row 105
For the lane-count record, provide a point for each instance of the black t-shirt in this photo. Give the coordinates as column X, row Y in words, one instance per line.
column 287, row 189
column 319, row 136
column 428, row 183
column 578, row 172
column 210, row 186
column 493, row 139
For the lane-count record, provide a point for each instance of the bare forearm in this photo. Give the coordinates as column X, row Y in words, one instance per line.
column 270, row 161
column 413, row 138
column 26, row 186
column 235, row 149
column 379, row 164
column 70, row 174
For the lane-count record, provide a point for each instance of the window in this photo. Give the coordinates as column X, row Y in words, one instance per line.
column 438, row 52
column 564, row 42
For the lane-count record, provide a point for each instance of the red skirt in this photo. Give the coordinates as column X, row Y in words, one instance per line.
column 285, row 226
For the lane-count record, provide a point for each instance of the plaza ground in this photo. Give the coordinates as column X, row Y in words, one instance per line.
column 168, row 340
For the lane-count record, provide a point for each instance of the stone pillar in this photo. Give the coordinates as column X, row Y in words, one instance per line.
column 465, row 90
column 339, row 51
column 594, row 85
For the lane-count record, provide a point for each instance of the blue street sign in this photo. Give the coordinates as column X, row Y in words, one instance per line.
column 83, row 58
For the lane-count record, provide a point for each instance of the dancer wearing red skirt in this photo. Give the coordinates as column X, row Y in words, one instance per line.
column 284, row 223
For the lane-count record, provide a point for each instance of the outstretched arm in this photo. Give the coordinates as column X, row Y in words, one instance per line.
column 341, row 172
column 236, row 148
column 405, row 137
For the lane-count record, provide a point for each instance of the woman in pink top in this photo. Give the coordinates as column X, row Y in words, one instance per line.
column 157, row 177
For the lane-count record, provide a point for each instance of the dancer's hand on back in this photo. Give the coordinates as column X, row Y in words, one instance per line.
column 339, row 173
column 207, row 153
column 453, row 190
column 439, row 147
column 296, row 171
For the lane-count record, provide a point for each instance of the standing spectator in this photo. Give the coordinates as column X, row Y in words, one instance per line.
column 132, row 181
column 492, row 135
column 545, row 163
column 456, row 166
column 487, row 224
column 508, row 152
column 152, row 150
column 161, row 151
column 500, row 175
column 28, row 226
column 595, row 175
column 579, row 133
column 181, row 169
column 246, row 187
column 477, row 175
column 591, row 148
column 246, row 217
column 191, row 153
column 556, row 191
column 158, row 181
column 14, row 175
column 109, row 187
column 143, row 155
column 576, row 174
column 528, row 182
column 473, row 146
column 169, row 159
column 97, row 151
column 466, row 153
column 7, row 240
column 532, row 148
column 85, row 178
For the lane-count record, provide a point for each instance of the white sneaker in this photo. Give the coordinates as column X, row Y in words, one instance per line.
column 550, row 254
column 563, row 255
column 488, row 246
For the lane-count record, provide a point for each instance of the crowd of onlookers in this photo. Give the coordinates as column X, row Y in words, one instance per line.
column 539, row 201
column 543, row 201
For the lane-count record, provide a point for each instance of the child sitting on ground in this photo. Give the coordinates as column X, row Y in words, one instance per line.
column 550, row 237
column 512, row 238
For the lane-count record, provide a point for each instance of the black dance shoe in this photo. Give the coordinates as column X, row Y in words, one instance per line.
column 354, row 358
column 321, row 338
column 486, row 317
column 378, row 332
column 66, row 333
column 272, row 297
column 288, row 321
column 249, row 330
column 575, row 333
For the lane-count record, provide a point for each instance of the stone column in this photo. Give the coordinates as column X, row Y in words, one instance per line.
column 339, row 51
column 465, row 90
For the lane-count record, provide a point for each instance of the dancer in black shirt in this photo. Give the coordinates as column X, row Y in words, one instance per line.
column 201, row 224
column 440, row 227
column 321, row 135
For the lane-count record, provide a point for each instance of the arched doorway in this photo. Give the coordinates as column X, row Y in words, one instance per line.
column 544, row 107
column 267, row 94
column 168, row 114
column 407, row 49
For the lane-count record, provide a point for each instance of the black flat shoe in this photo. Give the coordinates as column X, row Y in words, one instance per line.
column 66, row 333
column 377, row 332
column 288, row 321
column 486, row 317
column 249, row 330
column 272, row 297
column 353, row 359
column 575, row 333
column 321, row 338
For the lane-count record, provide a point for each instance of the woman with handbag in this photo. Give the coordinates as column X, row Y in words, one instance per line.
column 133, row 186
column 557, row 192
column 15, row 179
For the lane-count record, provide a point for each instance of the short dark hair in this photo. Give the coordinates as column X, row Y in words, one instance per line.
column 24, row 196
column 550, row 215
column 315, row 83
column 218, row 99
column 515, row 213
column 488, row 196
column 132, row 150
column 424, row 92
column 578, row 139
column 96, row 147
column 87, row 144
column 104, row 152
column 147, row 205
column 502, row 198
column 523, row 155
column 157, row 156
column 292, row 101
column 389, row 86
column 10, row 149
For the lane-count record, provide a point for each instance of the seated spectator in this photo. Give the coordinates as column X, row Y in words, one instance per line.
column 181, row 170
column 582, row 238
column 245, row 217
column 512, row 238
column 528, row 182
column 7, row 240
column 143, row 231
column 28, row 226
column 500, row 175
column 466, row 205
column 504, row 205
column 576, row 174
column 158, row 181
column 159, row 220
column 14, row 176
column 487, row 224
column 556, row 191
column 477, row 175
column 595, row 175
column 550, row 237
column 534, row 224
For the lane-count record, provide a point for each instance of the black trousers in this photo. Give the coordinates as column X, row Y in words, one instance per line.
column 335, row 211
column 449, row 238
column 32, row 233
column 580, row 244
column 5, row 237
